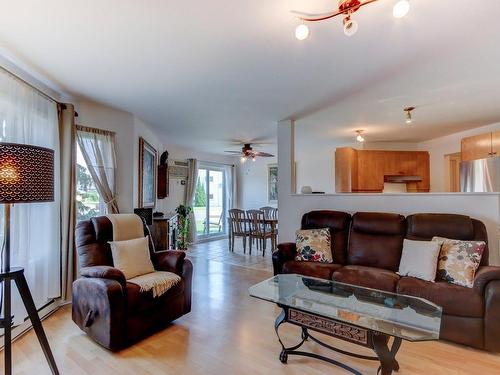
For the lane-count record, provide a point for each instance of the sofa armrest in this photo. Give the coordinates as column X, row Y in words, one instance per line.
column 104, row 272
column 169, row 260
column 491, row 319
column 98, row 308
column 187, row 276
column 286, row 251
column 484, row 275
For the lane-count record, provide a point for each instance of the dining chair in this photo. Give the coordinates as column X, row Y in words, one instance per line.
column 238, row 228
column 271, row 213
column 258, row 229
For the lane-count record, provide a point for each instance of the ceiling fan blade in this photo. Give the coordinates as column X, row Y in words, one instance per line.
column 263, row 154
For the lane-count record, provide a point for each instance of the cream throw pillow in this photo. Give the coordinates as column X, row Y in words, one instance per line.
column 419, row 259
column 132, row 257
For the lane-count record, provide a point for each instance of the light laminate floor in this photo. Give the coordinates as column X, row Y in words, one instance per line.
column 226, row 333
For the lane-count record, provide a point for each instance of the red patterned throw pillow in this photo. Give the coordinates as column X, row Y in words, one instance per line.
column 314, row 245
column 459, row 260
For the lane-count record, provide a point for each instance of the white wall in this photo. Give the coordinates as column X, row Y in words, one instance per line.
column 442, row 146
column 485, row 207
column 128, row 129
column 252, row 183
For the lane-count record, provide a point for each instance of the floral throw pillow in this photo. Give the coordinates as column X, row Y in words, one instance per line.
column 314, row 245
column 459, row 260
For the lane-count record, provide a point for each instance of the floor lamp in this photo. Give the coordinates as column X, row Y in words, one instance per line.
column 26, row 176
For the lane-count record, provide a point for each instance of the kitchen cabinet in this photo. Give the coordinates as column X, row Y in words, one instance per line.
column 480, row 146
column 366, row 170
column 495, row 143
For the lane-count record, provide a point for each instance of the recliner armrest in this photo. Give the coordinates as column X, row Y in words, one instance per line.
column 169, row 260
column 484, row 275
column 104, row 272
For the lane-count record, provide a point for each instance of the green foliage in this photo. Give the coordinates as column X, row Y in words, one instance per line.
column 184, row 213
column 83, row 178
column 87, row 197
column 200, row 196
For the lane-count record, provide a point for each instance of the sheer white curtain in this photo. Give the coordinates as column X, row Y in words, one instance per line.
column 98, row 150
column 28, row 117
column 230, row 187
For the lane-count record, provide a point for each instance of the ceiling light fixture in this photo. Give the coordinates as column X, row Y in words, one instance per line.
column 302, row 32
column 243, row 159
column 408, row 114
column 346, row 9
column 359, row 136
column 401, row 9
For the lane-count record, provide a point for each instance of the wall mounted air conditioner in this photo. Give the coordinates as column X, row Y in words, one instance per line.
column 178, row 169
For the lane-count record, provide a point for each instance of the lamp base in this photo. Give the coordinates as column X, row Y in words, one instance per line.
column 16, row 274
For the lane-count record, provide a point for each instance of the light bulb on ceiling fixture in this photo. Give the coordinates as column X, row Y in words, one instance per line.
column 253, row 159
column 401, row 8
column 359, row 137
column 408, row 119
column 301, row 32
column 350, row 26
column 243, row 159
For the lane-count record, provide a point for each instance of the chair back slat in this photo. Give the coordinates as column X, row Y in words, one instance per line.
column 237, row 221
column 256, row 221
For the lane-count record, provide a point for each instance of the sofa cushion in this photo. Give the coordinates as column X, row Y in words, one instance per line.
column 368, row 277
column 454, row 299
column 139, row 301
column 425, row 226
column 338, row 222
column 313, row 269
column 314, row 245
column 376, row 240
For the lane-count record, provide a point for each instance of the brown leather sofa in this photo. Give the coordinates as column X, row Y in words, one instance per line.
column 113, row 311
column 367, row 249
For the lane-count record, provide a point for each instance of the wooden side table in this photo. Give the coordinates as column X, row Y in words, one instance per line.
column 164, row 232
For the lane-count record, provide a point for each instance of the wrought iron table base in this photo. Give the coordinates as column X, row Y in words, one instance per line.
column 378, row 342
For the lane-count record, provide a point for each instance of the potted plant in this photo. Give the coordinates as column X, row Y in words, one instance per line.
column 184, row 220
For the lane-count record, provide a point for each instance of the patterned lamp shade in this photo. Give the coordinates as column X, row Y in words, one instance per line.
column 26, row 173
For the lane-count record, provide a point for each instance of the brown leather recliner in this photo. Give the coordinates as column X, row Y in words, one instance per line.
column 367, row 250
column 113, row 311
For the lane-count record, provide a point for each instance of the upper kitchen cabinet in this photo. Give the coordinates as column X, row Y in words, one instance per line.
column 359, row 171
column 481, row 146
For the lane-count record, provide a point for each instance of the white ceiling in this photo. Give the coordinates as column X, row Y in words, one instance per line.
column 207, row 72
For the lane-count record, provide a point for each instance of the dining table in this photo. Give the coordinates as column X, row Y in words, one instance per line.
column 272, row 223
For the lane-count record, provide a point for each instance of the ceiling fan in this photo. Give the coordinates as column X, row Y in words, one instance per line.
column 247, row 152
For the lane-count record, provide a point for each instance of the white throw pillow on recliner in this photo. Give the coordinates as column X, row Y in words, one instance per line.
column 419, row 259
column 132, row 257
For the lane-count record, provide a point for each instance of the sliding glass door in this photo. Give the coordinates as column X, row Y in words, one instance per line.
column 210, row 201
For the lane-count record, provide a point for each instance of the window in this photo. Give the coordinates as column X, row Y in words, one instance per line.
column 28, row 117
column 88, row 201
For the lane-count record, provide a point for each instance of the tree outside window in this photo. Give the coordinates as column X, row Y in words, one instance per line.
column 88, row 201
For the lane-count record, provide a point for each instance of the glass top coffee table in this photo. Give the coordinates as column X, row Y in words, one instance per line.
column 362, row 316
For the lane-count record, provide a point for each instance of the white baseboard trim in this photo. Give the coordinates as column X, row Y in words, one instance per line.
column 26, row 326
